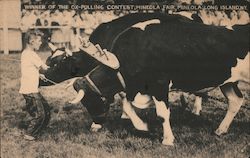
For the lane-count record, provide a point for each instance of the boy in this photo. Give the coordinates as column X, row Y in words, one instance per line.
column 36, row 106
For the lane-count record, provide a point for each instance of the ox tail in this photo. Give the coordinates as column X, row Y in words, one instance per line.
column 241, row 40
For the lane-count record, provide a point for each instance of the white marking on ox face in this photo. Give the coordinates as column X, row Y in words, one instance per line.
column 142, row 25
column 57, row 53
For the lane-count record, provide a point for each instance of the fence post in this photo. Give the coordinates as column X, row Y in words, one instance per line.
column 5, row 29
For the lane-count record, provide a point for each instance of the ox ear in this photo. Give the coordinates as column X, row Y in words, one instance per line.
column 78, row 98
column 68, row 52
column 57, row 53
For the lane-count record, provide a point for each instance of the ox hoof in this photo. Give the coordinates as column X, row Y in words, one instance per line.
column 95, row 127
column 29, row 137
column 168, row 141
column 197, row 113
column 220, row 132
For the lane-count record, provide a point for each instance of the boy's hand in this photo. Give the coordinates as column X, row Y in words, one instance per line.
column 42, row 77
column 45, row 67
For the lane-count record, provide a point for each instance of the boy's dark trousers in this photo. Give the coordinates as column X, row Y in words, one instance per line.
column 39, row 113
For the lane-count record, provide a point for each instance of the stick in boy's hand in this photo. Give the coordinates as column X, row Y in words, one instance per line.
column 42, row 77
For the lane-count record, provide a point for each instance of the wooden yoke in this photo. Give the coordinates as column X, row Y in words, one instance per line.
column 102, row 55
column 102, row 52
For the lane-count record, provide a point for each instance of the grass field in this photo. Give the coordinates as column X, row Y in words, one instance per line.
column 68, row 134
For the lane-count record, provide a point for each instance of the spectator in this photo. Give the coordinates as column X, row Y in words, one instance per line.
column 28, row 20
column 243, row 17
column 233, row 17
column 67, row 31
column 225, row 21
column 57, row 36
column 45, row 18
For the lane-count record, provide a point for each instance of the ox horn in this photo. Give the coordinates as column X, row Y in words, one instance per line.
column 71, row 82
column 52, row 47
column 79, row 97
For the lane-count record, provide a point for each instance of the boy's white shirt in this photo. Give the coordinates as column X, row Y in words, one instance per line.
column 30, row 64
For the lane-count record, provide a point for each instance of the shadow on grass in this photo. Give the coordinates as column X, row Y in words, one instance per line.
column 13, row 118
column 187, row 128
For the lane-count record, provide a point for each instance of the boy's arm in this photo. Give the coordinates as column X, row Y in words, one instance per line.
column 44, row 66
column 39, row 63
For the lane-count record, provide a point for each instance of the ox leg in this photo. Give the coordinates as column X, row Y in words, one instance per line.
column 197, row 105
column 235, row 100
column 164, row 112
column 184, row 102
column 130, row 112
column 124, row 115
column 117, row 100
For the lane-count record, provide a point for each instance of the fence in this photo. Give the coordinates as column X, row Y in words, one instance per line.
column 10, row 26
column 10, row 35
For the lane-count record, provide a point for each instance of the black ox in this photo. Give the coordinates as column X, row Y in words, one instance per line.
column 191, row 55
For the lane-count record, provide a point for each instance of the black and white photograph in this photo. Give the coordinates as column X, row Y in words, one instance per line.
column 124, row 78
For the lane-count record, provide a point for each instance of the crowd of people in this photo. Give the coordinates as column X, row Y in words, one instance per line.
column 67, row 25
column 221, row 18
column 217, row 18
column 84, row 19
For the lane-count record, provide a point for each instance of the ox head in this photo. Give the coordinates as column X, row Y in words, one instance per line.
column 65, row 64
column 57, row 55
column 96, row 105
